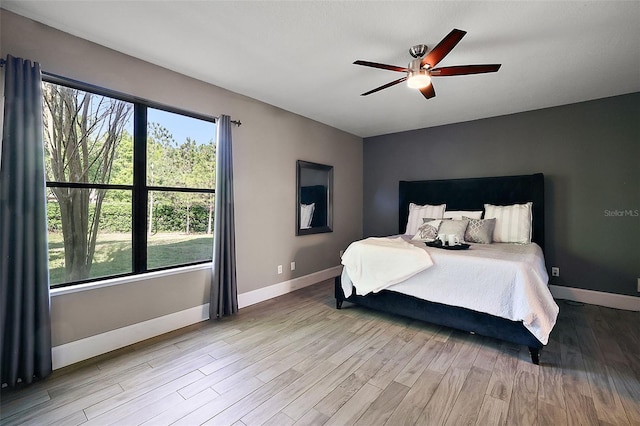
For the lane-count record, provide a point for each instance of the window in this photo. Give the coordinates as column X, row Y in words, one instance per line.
column 181, row 156
column 130, row 185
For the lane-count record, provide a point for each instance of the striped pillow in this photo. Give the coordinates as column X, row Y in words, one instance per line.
column 417, row 213
column 513, row 223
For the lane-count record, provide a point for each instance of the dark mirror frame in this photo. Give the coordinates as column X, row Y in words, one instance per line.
column 324, row 215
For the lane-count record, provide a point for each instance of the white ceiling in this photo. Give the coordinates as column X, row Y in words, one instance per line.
column 298, row 55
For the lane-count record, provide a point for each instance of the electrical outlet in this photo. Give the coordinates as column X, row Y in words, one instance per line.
column 555, row 271
column 293, row 266
column 279, row 269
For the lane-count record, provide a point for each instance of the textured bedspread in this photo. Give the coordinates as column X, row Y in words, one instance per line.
column 504, row 280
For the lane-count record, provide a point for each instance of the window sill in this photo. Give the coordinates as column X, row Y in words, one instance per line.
column 126, row 280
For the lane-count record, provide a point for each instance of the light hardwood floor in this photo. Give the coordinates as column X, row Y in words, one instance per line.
column 297, row 360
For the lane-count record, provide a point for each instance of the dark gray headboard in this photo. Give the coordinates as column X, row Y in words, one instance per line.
column 472, row 194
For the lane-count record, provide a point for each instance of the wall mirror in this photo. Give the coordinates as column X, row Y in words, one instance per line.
column 314, row 207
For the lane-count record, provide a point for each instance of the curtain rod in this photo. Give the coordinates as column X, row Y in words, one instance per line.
column 107, row 92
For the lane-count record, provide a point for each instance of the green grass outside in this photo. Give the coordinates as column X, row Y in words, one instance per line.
column 113, row 253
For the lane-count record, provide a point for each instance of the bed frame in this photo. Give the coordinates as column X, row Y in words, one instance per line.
column 462, row 194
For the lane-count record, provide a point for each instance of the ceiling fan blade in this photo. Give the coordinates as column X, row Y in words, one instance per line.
column 464, row 69
column 384, row 86
column 443, row 48
column 428, row 92
column 383, row 66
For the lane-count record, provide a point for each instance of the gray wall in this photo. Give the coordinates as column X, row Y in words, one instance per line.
column 266, row 148
column 589, row 153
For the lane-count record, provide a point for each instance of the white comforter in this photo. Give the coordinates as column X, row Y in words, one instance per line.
column 504, row 280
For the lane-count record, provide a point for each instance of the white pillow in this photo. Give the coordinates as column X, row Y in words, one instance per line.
column 416, row 213
column 513, row 223
column 428, row 231
column 306, row 215
column 457, row 214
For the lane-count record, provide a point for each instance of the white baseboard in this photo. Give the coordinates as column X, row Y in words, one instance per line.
column 256, row 296
column 610, row 300
column 80, row 350
column 91, row 346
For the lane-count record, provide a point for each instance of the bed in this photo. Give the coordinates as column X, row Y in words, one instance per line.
column 467, row 195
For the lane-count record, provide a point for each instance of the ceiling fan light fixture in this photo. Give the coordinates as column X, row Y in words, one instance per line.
column 420, row 70
column 418, row 79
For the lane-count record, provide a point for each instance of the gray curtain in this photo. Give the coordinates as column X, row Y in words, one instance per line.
column 224, row 291
column 25, row 325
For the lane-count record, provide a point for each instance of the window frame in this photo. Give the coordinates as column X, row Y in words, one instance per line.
column 139, row 188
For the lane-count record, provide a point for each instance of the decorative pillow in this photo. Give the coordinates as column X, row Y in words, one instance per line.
column 513, row 223
column 416, row 213
column 306, row 215
column 458, row 214
column 453, row 226
column 479, row 230
column 428, row 231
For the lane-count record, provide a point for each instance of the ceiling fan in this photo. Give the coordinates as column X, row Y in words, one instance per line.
column 421, row 69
